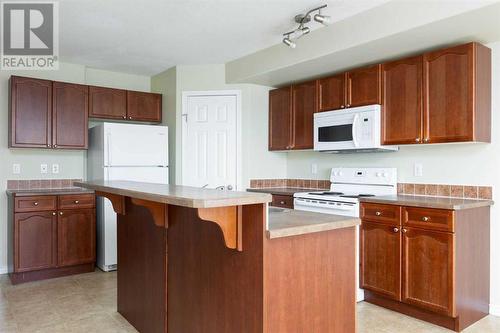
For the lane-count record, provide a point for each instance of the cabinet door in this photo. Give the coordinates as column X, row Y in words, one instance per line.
column 364, row 86
column 332, row 93
column 107, row 103
column 76, row 237
column 143, row 106
column 449, row 91
column 30, row 113
column 380, row 259
column 304, row 105
column 428, row 274
column 402, row 115
column 280, row 118
column 35, row 239
column 70, row 107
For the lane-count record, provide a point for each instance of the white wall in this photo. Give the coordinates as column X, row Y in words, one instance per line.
column 72, row 163
column 476, row 164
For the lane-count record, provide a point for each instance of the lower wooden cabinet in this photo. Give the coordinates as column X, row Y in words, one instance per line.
column 51, row 241
column 284, row 201
column 432, row 264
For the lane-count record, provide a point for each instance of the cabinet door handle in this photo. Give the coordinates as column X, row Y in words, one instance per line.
column 77, row 202
column 54, row 213
column 426, row 218
column 48, row 146
column 124, row 117
column 55, row 146
column 60, row 213
column 417, row 140
column 426, row 140
column 342, row 106
column 130, row 118
column 395, row 229
column 378, row 213
column 404, row 230
column 35, row 203
column 348, row 105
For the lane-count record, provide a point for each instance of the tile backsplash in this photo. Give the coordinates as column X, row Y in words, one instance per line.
column 34, row 184
column 299, row 183
column 456, row 191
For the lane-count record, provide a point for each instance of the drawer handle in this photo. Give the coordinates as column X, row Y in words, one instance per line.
column 395, row 229
column 378, row 213
column 77, row 202
column 35, row 203
column 426, row 218
column 282, row 202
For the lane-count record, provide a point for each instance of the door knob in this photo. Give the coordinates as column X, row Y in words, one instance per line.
column 230, row 187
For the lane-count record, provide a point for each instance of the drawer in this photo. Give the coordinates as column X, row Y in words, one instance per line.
column 75, row 201
column 429, row 218
column 35, row 203
column 284, row 201
column 389, row 214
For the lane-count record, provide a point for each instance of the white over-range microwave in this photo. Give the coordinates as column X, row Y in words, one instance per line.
column 349, row 130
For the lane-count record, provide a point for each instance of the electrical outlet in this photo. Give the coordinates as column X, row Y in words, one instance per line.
column 16, row 168
column 55, row 168
column 314, row 168
column 43, row 168
column 418, row 170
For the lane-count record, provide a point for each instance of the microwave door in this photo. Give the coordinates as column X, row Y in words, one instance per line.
column 334, row 133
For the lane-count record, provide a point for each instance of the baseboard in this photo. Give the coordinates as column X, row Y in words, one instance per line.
column 3, row 270
column 495, row 309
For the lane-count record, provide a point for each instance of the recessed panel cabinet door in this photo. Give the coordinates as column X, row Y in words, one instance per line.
column 70, row 115
column 76, row 237
column 364, row 86
column 280, row 118
column 143, row 106
column 380, row 251
column 331, row 93
column 36, row 241
column 449, row 87
column 428, row 275
column 30, row 112
column 402, row 95
column 107, row 103
column 304, row 105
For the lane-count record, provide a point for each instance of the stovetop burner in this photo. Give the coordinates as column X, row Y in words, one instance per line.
column 358, row 196
column 326, row 193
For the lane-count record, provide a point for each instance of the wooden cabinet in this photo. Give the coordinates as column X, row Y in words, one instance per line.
column 380, row 259
column 76, row 237
column 434, row 266
column 70, row 116
column 332, row 93
column 143, row 106
column 107, row 103
column 35, row 239
column 49, row 236
column 428, row 275
column 402, row 114
column 364, row 86
column 284, row 201
column 30, row 113
column 304, row 105
column 280, row 119
column 457, row 99
column 46, row 114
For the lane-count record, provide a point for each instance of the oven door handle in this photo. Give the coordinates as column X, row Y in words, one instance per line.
column 355, row 130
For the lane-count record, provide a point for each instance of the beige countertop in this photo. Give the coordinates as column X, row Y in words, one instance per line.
column 429, row 202
column 289, row 222
column 50, row 191
column 186, row 196
column 284, row 190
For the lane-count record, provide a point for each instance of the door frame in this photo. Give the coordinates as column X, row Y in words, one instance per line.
column 210, row 93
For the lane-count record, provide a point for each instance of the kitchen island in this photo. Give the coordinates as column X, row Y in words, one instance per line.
column 201, row 260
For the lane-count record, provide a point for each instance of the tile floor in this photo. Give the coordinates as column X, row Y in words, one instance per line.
column 87, row 303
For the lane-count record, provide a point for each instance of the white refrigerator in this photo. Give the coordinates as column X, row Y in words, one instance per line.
column 123, row 152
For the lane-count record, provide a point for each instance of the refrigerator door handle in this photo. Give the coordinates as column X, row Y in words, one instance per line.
column 108, row 149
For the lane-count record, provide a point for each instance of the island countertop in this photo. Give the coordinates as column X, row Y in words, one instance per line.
column 428, row 201
column 186, row 196
column 289, row 222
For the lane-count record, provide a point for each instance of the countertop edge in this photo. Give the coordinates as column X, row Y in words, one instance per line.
column 309, row 229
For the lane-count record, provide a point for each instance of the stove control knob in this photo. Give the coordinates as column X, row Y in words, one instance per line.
column 384, row 174
column 378, row 174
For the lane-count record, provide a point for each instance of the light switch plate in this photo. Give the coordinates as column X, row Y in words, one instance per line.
column 43, row 168
column 16, row 168
column 55, row 168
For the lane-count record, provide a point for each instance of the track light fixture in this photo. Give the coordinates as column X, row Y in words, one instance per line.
column 302, row 29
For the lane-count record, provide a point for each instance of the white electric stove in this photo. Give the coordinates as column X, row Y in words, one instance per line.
column 347, row 186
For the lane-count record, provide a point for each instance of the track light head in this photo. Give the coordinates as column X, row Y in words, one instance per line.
column 323, row 19
column 288, row 42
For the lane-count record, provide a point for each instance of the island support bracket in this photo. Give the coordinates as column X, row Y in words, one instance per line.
column 229, row 220
column 118, row 201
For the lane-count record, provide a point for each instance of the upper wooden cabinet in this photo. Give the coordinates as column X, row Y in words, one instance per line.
column 70, row 116
column 46, row 114
column 107, row 103
column 280, row 119
column 291, row 111
column 364, row 86
column 304, row 105
column 143, row 106
column 457, row 98
column 402, row 107
column 30, row 113
column 332, row 93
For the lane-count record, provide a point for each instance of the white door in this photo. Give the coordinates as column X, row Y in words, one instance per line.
column 210, row 141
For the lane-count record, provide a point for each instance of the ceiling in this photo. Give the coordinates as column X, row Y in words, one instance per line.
column 148, row 36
